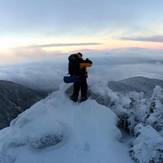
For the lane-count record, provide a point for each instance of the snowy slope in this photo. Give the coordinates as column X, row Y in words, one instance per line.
column 57, row 130
column 135, row 109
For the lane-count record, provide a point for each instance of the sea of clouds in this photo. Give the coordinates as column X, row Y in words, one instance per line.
column 112, row 65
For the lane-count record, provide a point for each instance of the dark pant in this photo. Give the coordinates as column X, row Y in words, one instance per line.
column 80, row 85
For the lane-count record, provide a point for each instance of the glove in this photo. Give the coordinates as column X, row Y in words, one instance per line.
column 88, row 61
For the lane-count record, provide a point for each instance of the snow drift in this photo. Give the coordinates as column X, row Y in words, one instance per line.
column 148, row 145
column 57, row 130
column 135, row 106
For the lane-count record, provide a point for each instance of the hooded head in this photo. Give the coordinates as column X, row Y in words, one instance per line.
column 80, row 54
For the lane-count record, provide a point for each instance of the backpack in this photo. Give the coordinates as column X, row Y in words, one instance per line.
column 73, row 65
column 71, row 79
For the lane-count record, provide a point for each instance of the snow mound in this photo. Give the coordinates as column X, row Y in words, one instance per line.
column 148, row 145
column 135, row 109
column 58, row 130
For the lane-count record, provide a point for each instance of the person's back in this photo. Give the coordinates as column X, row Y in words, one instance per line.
column 77, row 67
column 74, row 65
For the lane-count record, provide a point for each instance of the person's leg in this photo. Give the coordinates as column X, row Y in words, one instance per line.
column 84, row 88
column 76, row 89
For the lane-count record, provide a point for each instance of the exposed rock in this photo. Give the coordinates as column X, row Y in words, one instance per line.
column 46, row 141
column 14, row 99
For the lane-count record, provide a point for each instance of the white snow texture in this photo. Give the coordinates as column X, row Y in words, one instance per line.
column 58, row 130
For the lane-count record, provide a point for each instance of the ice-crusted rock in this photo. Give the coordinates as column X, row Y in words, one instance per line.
column 154, row 115
column 134, row 100
column 138, row 101
column 46, row 141
column 27, row 131
column 7, row 154
column 148, row 145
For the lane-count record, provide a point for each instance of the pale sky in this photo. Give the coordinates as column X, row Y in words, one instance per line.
column 69, row 25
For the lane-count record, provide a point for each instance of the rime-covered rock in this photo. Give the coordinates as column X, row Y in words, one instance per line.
column 147, row 147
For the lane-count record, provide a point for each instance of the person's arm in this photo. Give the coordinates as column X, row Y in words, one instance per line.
column 86, row 63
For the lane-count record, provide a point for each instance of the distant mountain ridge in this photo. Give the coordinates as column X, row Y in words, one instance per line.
column 138, row 84
column 14, row 99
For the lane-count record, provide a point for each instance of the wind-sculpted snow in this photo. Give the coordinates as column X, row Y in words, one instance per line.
column 76, row 133
column 135, row 108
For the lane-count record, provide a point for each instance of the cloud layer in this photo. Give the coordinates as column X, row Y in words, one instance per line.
column 63, row 44
column 155, row 38
column 114, row 65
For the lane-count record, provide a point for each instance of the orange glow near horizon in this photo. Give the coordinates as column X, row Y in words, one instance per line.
column 129, row 44
column 109, row 45
column 11, row 49
column 18, row 55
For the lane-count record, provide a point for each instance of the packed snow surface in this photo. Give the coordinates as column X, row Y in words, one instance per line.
column 80, row 132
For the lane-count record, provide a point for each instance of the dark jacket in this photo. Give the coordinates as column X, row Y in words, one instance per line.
column 74, row 66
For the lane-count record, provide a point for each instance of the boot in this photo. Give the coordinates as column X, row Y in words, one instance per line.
column 73, row 98
column 83, row 99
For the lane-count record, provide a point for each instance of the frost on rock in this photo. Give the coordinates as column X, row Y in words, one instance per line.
column 135, row 109
column 32, row 129
column 155, row 110
column 147, row 146
column 46, row 141
column 132, row 108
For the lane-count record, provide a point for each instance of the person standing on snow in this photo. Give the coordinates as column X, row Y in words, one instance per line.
column 78, row 68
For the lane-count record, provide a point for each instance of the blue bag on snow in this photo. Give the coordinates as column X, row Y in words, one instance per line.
column 70, row 79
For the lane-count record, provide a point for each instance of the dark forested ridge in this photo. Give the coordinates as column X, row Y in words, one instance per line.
column 14, row 99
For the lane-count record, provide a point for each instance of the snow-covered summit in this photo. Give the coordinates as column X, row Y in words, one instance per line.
column 58, row 130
